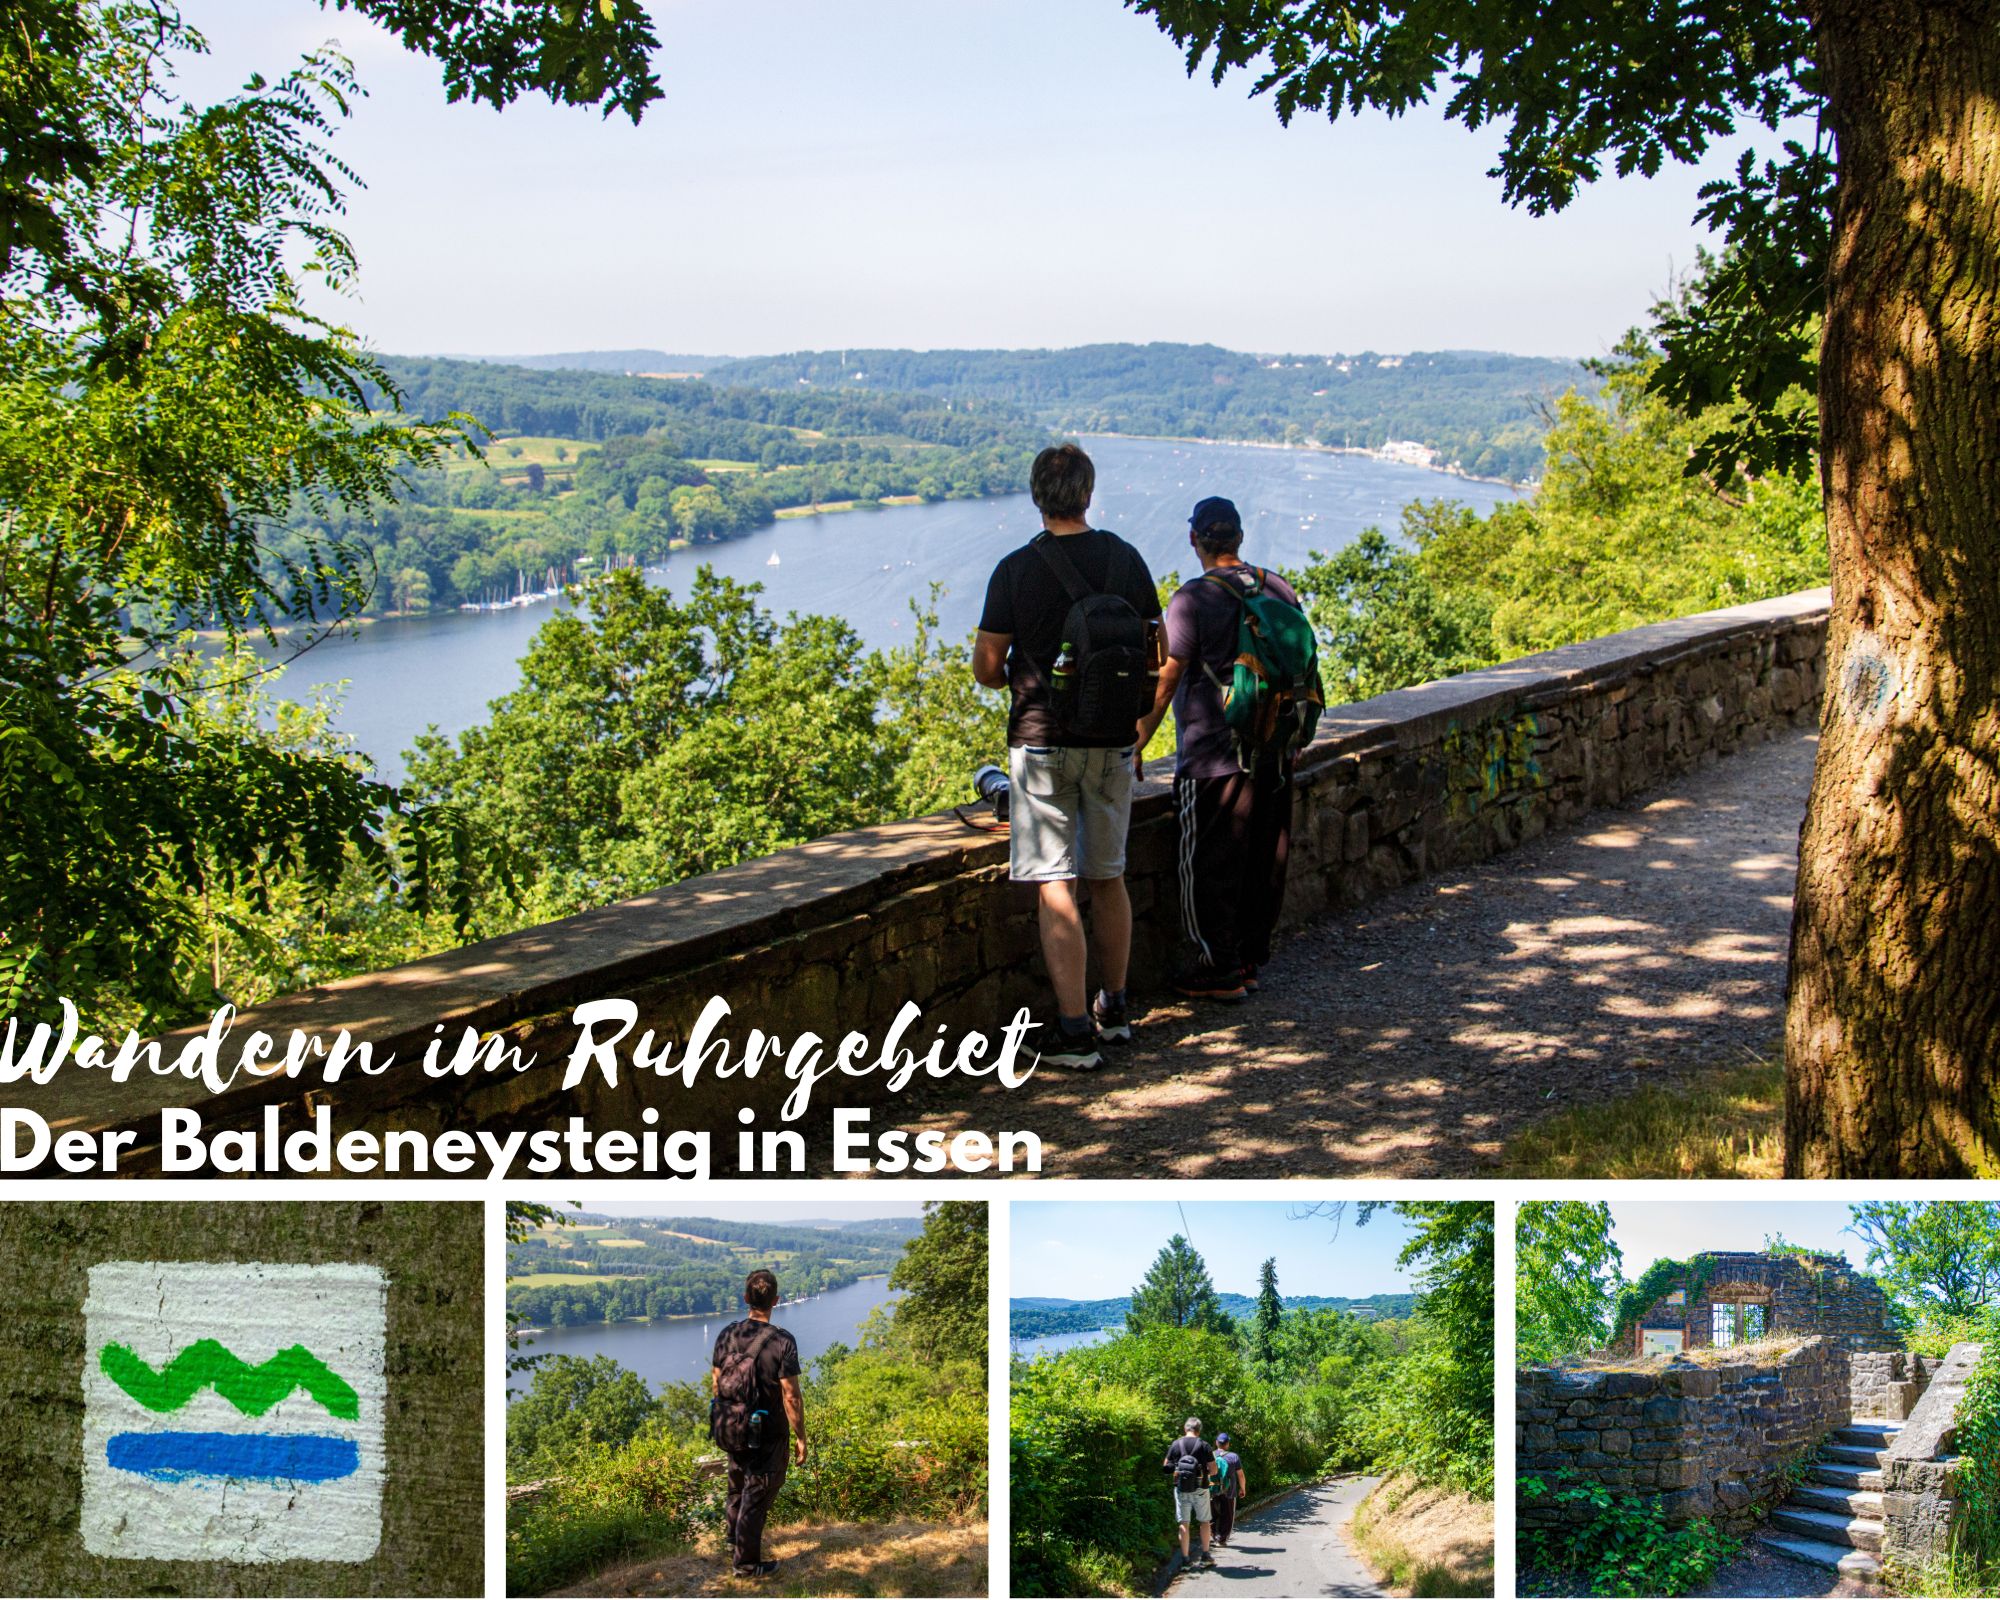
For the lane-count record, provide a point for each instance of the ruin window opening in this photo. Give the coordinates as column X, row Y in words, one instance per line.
column 1737, row 1322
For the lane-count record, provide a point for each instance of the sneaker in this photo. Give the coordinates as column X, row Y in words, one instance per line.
column 1078, row 1054
column 1114, row 1023
column 1249, row 976
column 763, row 1569
column 1205, row 983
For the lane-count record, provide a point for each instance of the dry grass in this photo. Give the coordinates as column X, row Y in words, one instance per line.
column 840, row 1558
column 1704, row 1355
column 1425, row 1541
column 1723, row 1124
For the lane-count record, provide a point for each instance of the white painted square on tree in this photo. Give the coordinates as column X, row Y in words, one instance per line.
column 296, row 1482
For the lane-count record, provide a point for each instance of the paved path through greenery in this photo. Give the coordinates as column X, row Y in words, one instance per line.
column 1294, row 1547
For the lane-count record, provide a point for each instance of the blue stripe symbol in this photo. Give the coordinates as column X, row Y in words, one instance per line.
column 260, row 1457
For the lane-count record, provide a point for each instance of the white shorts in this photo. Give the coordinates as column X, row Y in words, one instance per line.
column 1069, row 812
column 1191, row 1505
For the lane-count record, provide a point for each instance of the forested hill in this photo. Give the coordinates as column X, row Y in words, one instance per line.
column 594, row 470
column 634, row 362
column 1481, row 411
column 602, row 1269
column 699, row 418
column 1037, row 1318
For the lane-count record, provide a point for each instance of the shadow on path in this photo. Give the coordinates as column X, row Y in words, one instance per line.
column 1292, row 1548
column 1414, row 1036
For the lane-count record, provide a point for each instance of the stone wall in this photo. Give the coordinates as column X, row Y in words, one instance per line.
column 840, row 933
column 1817, row 1295
column 1920, row 1475
column 1889, row 1383
column 1714, row 1439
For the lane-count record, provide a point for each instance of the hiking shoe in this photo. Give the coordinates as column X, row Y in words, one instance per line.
column 1205, row 983
column 1114, row 1023
column 1075, row 1053
column 1248, row 974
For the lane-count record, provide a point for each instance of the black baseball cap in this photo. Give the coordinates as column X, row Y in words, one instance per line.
column 1216, row 515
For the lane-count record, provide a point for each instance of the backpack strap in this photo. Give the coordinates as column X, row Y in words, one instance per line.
column 754, row 1347
column 1236, row 591
column 1051, row 551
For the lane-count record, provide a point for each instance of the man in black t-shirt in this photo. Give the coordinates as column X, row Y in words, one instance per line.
column 755, row 1477
column 1072, row 797
column 1191, row 1461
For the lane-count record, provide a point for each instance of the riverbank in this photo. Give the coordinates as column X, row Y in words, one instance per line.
column 446, row 668
column 677, row 1316
column 1315, row 447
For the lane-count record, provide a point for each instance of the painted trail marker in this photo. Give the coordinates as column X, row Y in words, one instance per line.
column 233, row 1411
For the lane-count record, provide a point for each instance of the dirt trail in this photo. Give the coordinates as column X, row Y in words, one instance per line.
column 838, row 1558
column 1292, row 1547
column 1413, row 1037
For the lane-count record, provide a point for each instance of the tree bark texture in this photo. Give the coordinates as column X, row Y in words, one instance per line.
column 433, row 1504
column 1893, row 1024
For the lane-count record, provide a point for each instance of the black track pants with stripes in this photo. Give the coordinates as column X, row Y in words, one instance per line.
column 1235, row 840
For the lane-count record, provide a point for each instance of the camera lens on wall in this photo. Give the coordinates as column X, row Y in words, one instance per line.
column 991, row 783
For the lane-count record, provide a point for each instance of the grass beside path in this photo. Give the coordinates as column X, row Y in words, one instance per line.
column 945, row 1559
column 1425, row 1541
column 1727, row 1123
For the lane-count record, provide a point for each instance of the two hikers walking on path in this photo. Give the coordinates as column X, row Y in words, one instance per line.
column 758, row 1410
column 1208, row 1483
column 1071, row 628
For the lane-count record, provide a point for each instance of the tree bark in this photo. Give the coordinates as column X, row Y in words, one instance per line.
column 1893, row 1024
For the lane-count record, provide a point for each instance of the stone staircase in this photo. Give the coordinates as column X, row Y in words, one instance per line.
column 1834, row 1518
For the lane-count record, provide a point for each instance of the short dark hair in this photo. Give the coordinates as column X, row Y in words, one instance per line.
column 1220, row 541
column 760, row 1290
column 1061, row 481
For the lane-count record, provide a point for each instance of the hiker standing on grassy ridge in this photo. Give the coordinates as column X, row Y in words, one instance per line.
column 758, row 1407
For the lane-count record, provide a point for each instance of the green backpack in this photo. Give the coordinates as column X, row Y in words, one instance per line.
column 1273, row 698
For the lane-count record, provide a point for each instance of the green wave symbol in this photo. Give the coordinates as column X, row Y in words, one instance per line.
column 251, row 1390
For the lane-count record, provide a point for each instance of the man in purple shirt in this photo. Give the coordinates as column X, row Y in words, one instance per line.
column 1234, row 805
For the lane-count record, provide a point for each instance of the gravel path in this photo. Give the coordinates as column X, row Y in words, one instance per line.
column 1291, row 1548
column 1413, row 1037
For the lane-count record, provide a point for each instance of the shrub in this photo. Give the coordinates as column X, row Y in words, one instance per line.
column 1624, row 1546
column 639, row 1499
column 1979, row 1450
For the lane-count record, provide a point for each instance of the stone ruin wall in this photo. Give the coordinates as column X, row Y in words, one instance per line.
column 1889, row 1383
column 1821, row 1296
column 841, row 933
column 1715, row 1440
column 1920, row 1477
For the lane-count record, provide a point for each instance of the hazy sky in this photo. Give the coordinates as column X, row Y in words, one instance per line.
column 925, row 173
column 1093, row 1251
column 758, row 1210
column 1648, row 1233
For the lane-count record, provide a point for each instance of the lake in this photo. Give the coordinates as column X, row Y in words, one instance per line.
column 1055, row 1343
column 678, row 1349
column 405, row 673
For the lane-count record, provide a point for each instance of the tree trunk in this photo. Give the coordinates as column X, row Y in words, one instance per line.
column 1893, row 1027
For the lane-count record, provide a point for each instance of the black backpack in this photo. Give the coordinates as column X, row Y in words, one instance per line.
column 736, row 1421
column 1110, row 680
column 1187, row 1467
